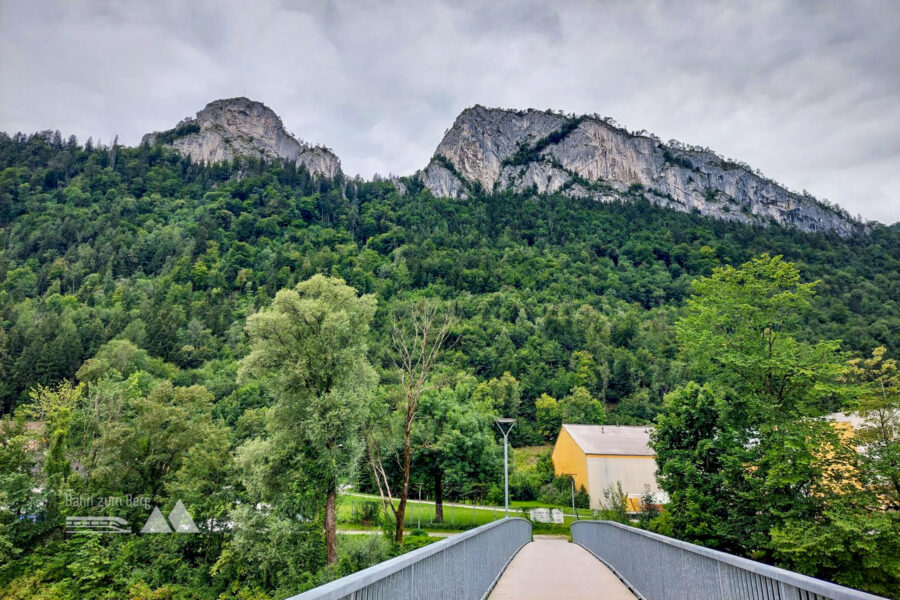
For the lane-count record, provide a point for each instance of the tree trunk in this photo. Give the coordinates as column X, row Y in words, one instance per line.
column 330, row 528
column 404, row 491
column 438, row 496
column 399, row 516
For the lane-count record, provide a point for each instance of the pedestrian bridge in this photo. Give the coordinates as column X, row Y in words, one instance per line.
column 607, row 561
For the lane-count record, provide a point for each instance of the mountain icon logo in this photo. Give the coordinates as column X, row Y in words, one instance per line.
column 179, row 518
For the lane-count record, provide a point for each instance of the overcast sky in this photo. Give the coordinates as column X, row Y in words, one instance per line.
column 809, row 92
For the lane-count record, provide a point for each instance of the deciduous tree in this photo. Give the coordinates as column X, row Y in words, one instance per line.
column 310, row 348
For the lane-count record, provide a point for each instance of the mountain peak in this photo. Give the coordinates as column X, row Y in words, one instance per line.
column 495, row 149
column 231, row 127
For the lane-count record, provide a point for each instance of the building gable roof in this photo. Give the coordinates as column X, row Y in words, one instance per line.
column 612, row 439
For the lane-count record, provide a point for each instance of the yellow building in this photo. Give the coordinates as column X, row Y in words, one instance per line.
column 599, row 456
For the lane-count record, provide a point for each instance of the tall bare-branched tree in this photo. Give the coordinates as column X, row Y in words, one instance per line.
column 417, row 340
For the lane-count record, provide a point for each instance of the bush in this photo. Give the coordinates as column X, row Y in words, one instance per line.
column 524, row 485
column 369, row 512
column 359, row 552
column 550, row 494
column 614, row 505
column 411, row 543
column 495, row 495
column 559, row 492
column 649, row 511
column 662, row 524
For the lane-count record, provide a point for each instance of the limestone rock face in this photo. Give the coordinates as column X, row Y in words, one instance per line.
column 481, row 138
column 546, row 152
column 442, row 182
column 225, row 129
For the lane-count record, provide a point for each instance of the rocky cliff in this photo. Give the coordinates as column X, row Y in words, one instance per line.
column 546, row 152
column 241, row 127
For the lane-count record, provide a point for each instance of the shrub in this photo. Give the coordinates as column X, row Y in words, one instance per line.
column 495, row 495
column 369, row 512
column 614, row 505
column 360, row 552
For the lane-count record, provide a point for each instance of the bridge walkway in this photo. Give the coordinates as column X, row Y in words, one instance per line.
column 552, row 569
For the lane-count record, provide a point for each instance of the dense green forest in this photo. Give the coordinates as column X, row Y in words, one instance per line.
column 128, row 277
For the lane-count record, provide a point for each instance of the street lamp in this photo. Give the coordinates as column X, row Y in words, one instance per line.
column 508, row 424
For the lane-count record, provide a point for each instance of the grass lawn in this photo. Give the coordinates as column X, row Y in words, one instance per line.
column 420, row 514
column 455, row 517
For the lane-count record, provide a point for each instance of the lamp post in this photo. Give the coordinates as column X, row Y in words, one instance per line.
column 508, row 424
column 574, row 512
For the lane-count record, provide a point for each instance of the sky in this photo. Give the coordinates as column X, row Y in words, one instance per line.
column 808, row 92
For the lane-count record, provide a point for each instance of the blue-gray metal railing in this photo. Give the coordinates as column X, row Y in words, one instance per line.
column 462, row 567
column 661, row 568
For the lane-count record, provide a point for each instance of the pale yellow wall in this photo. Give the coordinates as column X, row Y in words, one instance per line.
column 636, row 473
column 569, row 459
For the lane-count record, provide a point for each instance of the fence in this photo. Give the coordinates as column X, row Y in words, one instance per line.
column 661, row 568
column 462, row 567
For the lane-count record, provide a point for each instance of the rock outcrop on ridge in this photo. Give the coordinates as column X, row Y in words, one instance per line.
column 225, row 129
column 545, row 152
column 531, row 151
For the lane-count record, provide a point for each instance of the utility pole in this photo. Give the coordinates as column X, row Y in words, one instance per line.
column 508, row 423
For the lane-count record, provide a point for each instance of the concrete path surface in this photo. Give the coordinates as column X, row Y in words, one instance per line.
column 548, row 569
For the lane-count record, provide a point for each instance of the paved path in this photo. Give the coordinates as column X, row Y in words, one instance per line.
column 548, row 569
column 436, row 534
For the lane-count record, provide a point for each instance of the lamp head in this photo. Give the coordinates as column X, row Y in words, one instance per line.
column 505, row 425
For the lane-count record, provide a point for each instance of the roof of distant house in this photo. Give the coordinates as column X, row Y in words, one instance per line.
column 612, row 439
column 854, row 419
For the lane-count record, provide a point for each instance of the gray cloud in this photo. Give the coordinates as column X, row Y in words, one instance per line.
column 807, row 92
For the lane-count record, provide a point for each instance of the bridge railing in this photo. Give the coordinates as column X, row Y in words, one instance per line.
column 657, row 567
column 462, row 567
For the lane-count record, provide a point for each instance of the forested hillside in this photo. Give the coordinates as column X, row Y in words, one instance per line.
column 139, row 244
column 131, row 274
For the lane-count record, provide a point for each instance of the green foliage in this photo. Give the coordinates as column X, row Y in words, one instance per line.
column 455, row 444
column 361, row 552
column 852, row 543
column 614, row 505
column 559, row 493
column 742, row 329
column 369, row 513
column 678, row 160
column 695, row 456
column 309, row 347
column 650, row 511
column 749, row 462
column 878, row 381
column 181, row 130
column 579, row 408
column 121, row 359
column 547, row 416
